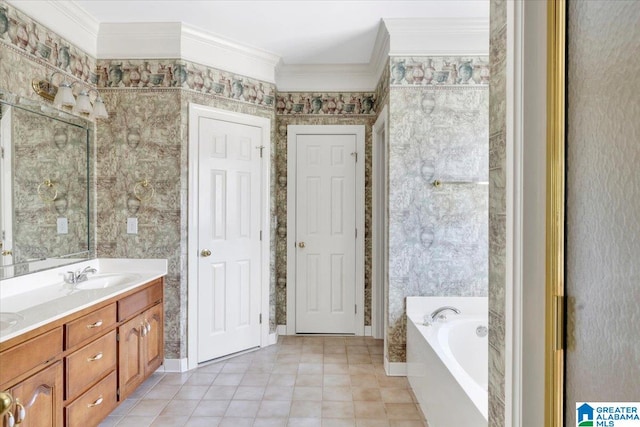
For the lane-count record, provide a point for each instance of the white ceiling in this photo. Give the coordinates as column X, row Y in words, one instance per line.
column 302, row 32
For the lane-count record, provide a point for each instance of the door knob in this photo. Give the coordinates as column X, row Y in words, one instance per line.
column 205, row 253
column 6, row 402
column 301, row 245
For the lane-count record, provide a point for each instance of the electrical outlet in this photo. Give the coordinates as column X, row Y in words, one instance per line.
column 63, row 226
column 132, row 225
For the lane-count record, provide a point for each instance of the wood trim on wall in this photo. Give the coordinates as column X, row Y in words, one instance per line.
column 555, row 259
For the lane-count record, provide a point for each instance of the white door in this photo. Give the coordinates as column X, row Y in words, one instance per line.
column 229, row 247
column 326, row 233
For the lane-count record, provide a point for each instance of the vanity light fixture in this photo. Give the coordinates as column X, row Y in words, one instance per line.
column 83, row 105
column 62, row 96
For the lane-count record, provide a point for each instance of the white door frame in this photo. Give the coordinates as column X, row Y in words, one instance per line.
column 292, row 132
column 380, row 253
column 195, row 113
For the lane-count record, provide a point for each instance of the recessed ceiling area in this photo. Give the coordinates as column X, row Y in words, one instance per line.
column 300, row 32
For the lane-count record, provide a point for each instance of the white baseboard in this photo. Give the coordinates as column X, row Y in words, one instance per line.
column 273, row 338
column 395, row 369
column 175, row 365
column 367, row 331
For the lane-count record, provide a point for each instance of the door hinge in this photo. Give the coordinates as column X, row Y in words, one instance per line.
column 117, row 337
column 2, row 152
column 260, row 317
column 355, row 155
column 260, row 148
column 118, row 393
column 260, row 235
column 356, row 233
column 355, row 309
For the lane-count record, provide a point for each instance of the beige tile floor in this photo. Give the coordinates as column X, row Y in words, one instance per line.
column 299, row 382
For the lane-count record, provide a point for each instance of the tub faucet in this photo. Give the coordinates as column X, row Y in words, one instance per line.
column 78, row 276
column 438, row 313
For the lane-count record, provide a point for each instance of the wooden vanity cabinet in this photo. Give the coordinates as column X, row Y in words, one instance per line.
column 69, row 372
column 41, row 397
column 140, row 346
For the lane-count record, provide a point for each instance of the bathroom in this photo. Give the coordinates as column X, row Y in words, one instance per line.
column 141, row 167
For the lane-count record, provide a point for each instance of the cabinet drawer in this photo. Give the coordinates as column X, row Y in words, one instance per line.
column 94, row 405
column 30, row 354
column 88, row 364
column 134, row 304
column 90, row 325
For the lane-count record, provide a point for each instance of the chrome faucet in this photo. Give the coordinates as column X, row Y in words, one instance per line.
column 78, row 276
column 438, row 314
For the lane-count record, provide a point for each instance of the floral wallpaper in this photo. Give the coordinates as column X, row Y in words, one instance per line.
column 141, row 140
column 437, row 233
column 179, row 73
column 307, row 103
column 280, row 174
column 497, row 211
column 22, row 33
column 441, row 70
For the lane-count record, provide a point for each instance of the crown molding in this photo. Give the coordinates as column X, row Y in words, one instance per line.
column 438, row 36
column 146, row 40
column 326, row 78
column 66, row 18
column 176, row 40
column 381, row 49
column 207, row 49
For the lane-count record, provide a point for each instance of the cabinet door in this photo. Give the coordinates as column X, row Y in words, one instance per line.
column 154, row 338
column 41, row 396
column 130, row 356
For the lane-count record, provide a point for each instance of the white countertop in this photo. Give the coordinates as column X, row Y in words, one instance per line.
column 43, row 297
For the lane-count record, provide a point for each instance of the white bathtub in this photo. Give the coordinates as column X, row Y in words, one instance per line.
column 447, row 363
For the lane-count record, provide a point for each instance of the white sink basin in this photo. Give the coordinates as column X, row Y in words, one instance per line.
column 8, row 320
column 106, row 280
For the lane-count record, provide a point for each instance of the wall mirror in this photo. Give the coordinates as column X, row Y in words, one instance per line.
column 44, row 187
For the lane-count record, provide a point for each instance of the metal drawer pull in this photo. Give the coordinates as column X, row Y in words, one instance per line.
column 94, row 358
column 10, row 420
column 95, row 325
column 148, row 327
column 20, row 412
column 96, row 403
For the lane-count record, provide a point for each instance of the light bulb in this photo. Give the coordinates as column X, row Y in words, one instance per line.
column 64, row 96
column 99, row 110
column 83, row 104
